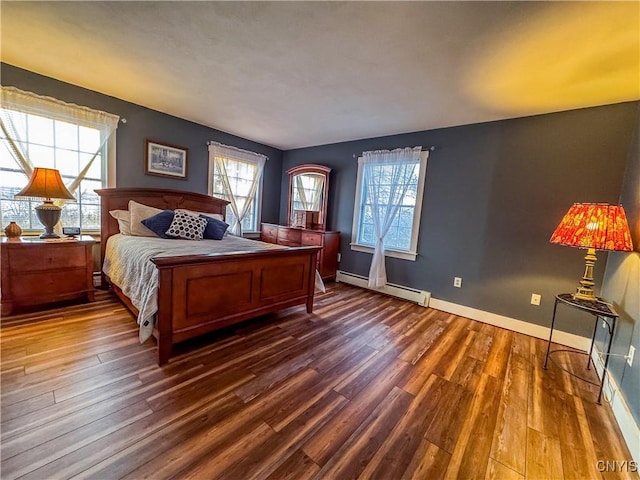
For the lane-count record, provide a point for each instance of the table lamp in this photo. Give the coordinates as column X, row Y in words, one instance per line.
column 593, row 226
column 46, row 183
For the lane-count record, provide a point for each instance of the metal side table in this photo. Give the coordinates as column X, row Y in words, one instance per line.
column 599, row 309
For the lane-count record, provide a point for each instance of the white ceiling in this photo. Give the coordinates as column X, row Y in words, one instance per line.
column 294, row 74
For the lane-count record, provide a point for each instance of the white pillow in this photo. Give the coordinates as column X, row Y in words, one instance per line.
column 185, row 225
column 217, row 216
column 124, row 220
column 138, row 213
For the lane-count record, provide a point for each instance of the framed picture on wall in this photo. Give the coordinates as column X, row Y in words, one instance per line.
column 166, row 160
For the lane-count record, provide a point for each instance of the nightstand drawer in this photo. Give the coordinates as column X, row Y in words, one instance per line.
column 48, row 257
column 34, row 285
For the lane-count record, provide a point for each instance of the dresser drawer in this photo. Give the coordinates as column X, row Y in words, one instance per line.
column 269, row 233
column 290, row 235
column 312, row 238
column 48, row 257
column 288, row 243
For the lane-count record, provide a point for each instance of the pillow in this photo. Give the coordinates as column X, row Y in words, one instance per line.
column 160, row 223
column 215, row 228
column 217, row 216
column 124, row 220
column 187, row 226
column 138, row 213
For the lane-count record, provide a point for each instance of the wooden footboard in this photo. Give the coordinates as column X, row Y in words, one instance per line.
column 200, row 294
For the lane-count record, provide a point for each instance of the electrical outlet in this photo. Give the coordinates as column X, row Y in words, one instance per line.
column 535, row 299
column 457, row 282
column 339, row 257
column 632, row 352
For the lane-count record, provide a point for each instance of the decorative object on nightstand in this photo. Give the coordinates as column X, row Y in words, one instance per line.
column 13, row 231
column 46, row 183
column 593, row 226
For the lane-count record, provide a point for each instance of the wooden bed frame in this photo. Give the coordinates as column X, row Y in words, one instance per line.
column 202, row 293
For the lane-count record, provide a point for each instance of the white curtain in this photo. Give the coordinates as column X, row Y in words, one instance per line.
column 17, row 104
column 224, row 156
column 386, row 176
column 310, row 188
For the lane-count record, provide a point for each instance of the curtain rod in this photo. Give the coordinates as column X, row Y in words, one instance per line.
column 432, row 148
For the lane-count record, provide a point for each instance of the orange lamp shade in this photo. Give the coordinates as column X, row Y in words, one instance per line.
column 45, row 183
column 594, row 225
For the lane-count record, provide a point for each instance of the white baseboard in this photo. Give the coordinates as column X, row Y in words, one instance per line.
column 538, row 331
column 612, row 395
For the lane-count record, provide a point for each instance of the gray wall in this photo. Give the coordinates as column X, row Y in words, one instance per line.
column 144, row 123
column 494, row 194
column 622, row 287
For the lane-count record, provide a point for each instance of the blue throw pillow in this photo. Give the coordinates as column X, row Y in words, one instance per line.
column 160, row 223
column 215, row 228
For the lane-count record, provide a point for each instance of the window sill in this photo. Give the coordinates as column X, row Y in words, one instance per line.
column 404, row 255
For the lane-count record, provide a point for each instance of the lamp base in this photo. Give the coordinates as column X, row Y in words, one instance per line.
column 584, row 294
column 585, row 290
column 49, row 216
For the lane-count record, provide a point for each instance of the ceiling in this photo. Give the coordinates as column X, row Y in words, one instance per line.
column 295, row 74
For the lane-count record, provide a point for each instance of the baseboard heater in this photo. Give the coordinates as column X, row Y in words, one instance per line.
column 417, row 296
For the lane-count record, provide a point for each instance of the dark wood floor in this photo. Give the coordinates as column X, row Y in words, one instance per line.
column 366, row 387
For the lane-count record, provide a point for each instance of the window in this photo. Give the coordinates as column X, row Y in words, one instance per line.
column 49, row 138
column 235, row 175
column 401, row 240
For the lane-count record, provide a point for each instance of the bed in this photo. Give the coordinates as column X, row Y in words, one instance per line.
column 202, row 292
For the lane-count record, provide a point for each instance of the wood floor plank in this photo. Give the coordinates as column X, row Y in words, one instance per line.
column 297, row 467
column 470, row 456
column 428, row 461
column 510, row 438
column 368, row 386
column 544, row 457
column 396, row 453
column 498, row 471
column 453, row 335
column 295, row 433
column 357, row 450
column 330, row 438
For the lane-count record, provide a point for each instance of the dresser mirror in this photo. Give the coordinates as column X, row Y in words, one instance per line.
column 307, row 203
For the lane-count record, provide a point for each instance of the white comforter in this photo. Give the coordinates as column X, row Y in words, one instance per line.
column 128, row 264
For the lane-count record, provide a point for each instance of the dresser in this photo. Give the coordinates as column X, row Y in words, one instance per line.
column 297, row 237
column 37, row 272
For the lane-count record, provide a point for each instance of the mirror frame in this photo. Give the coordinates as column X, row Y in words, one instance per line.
column 318, row 170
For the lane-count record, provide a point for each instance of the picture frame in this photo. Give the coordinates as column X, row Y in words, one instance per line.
column 165, row 160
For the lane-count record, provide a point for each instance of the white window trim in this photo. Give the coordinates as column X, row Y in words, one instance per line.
column 258, row 197
column 410, row 254
column 111, row 161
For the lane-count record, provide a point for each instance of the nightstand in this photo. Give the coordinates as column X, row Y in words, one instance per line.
column 37, row 272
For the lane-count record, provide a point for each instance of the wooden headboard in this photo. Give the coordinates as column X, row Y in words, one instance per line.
column 118, row 199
